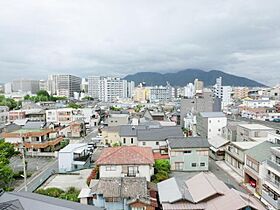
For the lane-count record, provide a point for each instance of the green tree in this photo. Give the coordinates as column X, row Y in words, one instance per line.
column 74, row 105
column 162, row 170
column 6, row 175
column 6, row 149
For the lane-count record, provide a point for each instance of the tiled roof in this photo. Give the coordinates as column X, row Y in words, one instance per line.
column 159, row 134
column 126, row 155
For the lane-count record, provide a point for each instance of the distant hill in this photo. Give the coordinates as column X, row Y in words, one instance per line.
column 181, row 78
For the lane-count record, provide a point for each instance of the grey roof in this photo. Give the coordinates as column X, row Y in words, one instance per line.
column 34, row 125
column 261, row 152
column 159, row 134
column 212, row 114
column 190, row 142
column 169, row 191
column 122, row 187
column 33, row 201
column 11, row 205
column 130, row 130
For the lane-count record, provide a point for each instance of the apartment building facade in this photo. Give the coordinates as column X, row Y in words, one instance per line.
column 251, row 132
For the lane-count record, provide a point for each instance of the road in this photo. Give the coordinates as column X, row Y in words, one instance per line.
column 38, row 179
column 266, row 123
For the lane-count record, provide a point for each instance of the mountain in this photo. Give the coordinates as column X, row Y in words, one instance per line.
column 181, row 78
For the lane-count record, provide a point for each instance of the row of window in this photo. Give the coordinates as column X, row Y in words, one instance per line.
column 179, row 165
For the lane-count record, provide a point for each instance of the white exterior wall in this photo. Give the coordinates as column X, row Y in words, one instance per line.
column 215, row 126
column 152, row 144
column 65, row 161
column 144, row 171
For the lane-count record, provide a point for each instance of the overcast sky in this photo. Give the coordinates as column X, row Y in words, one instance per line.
column 119, row 37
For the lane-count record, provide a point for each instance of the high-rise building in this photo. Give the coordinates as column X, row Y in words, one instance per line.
column 24, row 85
column 222, row 92
column 64, row 84
column 109, row 88
column 198, row 86
column 161, row 93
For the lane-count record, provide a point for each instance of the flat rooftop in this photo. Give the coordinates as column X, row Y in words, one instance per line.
column 212, row 114
column 255, row 127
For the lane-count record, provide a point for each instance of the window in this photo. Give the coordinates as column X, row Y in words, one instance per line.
column 132, row 171
column 111, row 168
column 179, row 166
column 143, row 143
column 187, row 152
column 157, row 143
column 193, row 164
column 124, row 140
column 131, row 140
column 202, row 164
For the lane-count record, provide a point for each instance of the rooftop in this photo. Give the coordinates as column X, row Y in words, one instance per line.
column 126, row 155
column 244, row 145
column 72, row 147
column 190, row 142
column 261, row 152
column 212, row 114
column 255, row 127
column 33, row 201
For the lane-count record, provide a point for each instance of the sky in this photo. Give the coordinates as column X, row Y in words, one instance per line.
column 120, row 37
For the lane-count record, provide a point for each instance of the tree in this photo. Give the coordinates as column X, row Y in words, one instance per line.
column 6, row 175
column 71, row 194
column 162, row 170
column 74, row 105
column 6, row 149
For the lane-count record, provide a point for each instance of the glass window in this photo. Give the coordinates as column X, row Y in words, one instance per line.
column 193, row 164
column 124, row 140
column 111, row 168
column 179, row 166
column 202, row 164
column 143, row 143
column 132, row 171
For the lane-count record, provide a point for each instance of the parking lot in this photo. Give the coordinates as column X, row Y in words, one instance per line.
column 33, row 163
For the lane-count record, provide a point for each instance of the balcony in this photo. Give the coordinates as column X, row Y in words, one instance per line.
column 273, row 165
column 273, row 182
column 270, row 200
column 82, row 158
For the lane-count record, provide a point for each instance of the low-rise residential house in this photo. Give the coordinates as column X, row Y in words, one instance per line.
column 218, row 146
column 235, row 155
column 78, row 129
column 148, row 136
column 4, row 113
column 255, row 159
column 188, row 154
column 117, row 119
column 62, row 116
column 203, row 191
column 159, row 116
column 126, row 161
column 259, row 103
column 127, row 193
column 252, row 132
column 35, row 139
column 35, row 115
column 35, row 201
column 110, row 135
column 16, row 115
column 271, row 185
column 156, row 137
column 210, row 124
column 74, row 157
column 229, row 132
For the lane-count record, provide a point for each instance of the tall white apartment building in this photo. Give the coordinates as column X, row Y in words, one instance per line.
column 64, row 84
column 25, row 85
column 109, row 88
column 161, row 93
column 222, row 92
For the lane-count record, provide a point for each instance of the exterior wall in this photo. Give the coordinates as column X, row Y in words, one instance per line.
column 215, row 126
column 154, row 144
column 244, row 134
column 143, row 171
column 115, row 121
column 178, row 156
column 235, row 160
column 129, row 140
column 110, row 137
column 65, row 161
column 4, row 113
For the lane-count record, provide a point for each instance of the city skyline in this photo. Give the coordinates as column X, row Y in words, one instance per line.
column 110, row 38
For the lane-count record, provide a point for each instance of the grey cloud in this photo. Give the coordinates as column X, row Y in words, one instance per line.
column 118, row 37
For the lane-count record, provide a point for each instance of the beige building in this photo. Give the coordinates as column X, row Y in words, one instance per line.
column 110, row 135
column 252, row 132
column 141, row 94
column 240, row 92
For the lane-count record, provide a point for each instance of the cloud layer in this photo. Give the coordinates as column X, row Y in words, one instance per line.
column 118, row 37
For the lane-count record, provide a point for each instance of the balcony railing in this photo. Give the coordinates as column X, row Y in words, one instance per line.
column 273, row 182
column 270, row 200
column 273, row 164
column 83, row 158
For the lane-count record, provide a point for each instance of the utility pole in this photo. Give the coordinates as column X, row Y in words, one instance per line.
column 24, row 163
